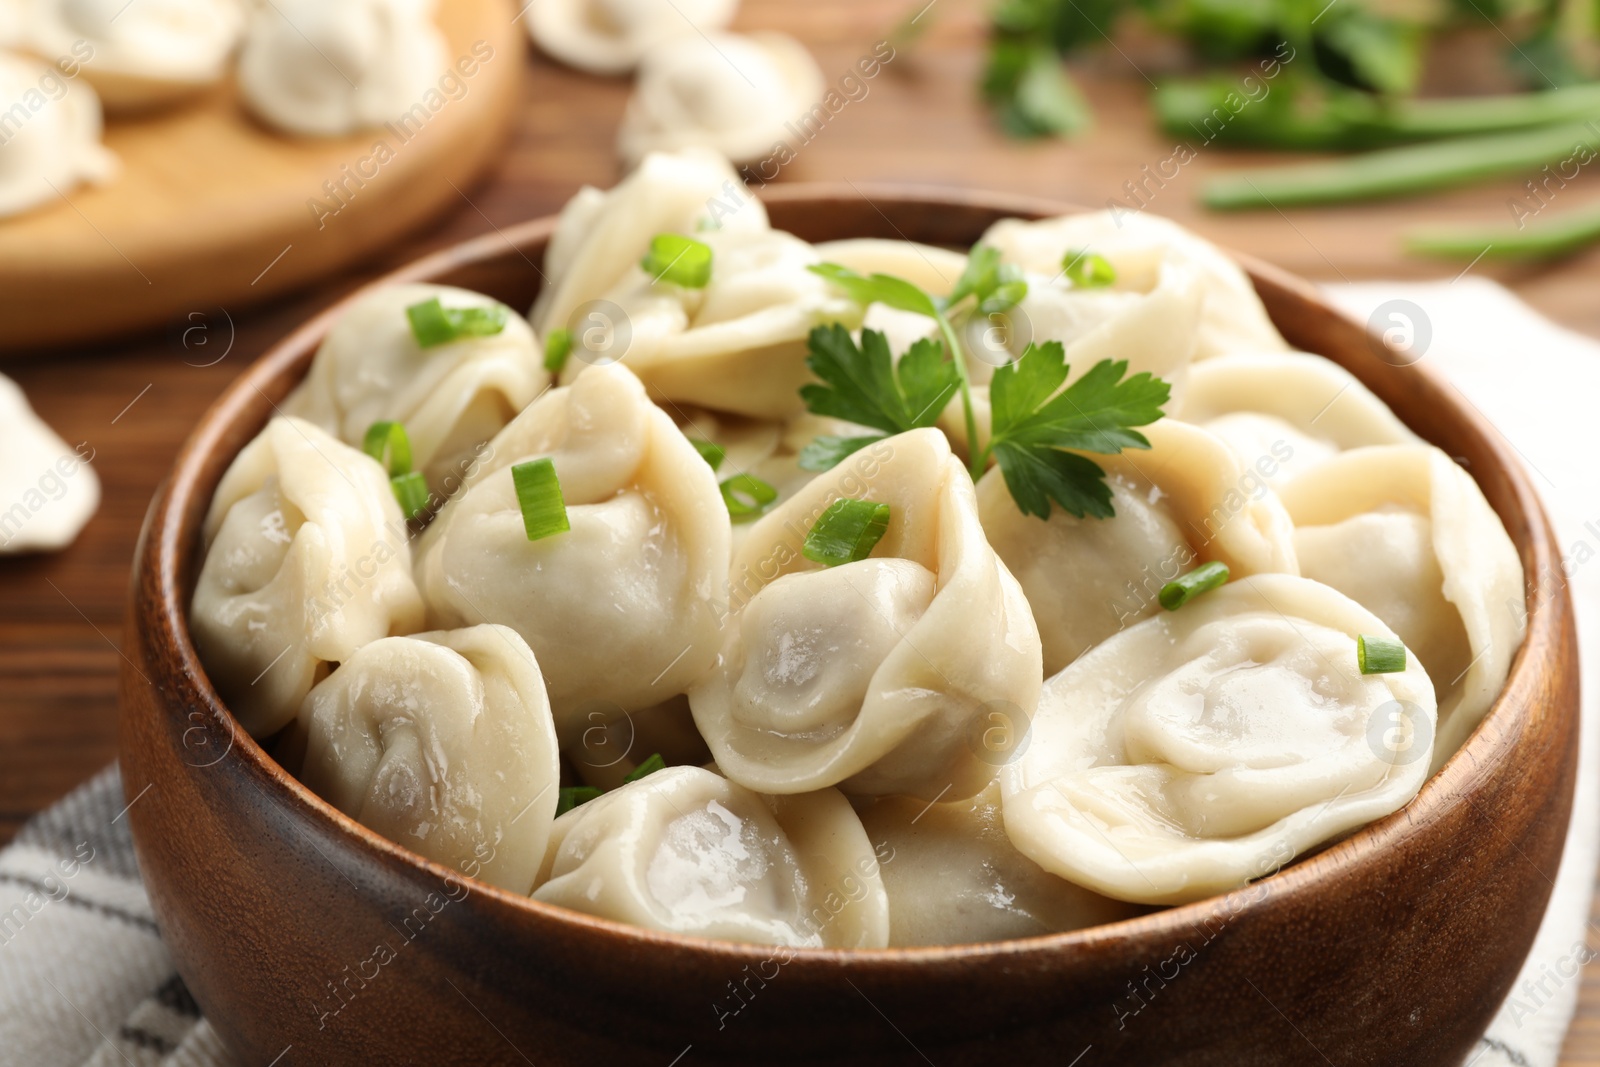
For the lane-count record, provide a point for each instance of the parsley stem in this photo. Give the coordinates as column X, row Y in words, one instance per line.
column 964, row 376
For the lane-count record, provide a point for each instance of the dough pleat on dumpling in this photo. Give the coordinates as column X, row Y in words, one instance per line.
column 953, row 877
column 871, row 675
column 1209, row 746
column 451, row 398
column 624, row 609
column 686, row 851
column 307, row 558
column 443, row 743
column 1188, row 499
column 1298, row 410
column 735, row 94
column 1407, row 533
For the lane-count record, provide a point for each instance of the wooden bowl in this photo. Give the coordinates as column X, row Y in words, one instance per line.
column 305, row 936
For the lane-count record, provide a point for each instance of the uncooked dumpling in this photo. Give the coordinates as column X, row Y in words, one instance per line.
column 143, row 53
column 57, row 145
column 441, row 742
column 1211, row 745
column 48, row 487
column 737, row 95
column 329, row 69
column 686, row 851
column 610, row 36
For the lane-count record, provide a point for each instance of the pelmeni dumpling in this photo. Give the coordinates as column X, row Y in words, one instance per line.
column 306, row 560
column 451, row 398
column 1283, row 415
column 740, row 343
column 1408, row 534
column 610, row 36
column 50, row 489
column 932, row 269
column 1139, row 245
column 142, row 53
column 735, row 94
column 57, row 147
column 687, row 851
column 869, row 675
column 1186, row 500
column 326, row 70
column 443, row 743
column 954, row 878
column 1211, row 745
column 624, row 609
column 603, row 235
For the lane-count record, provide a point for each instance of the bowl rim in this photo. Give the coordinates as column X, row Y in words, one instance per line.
column 169, row 539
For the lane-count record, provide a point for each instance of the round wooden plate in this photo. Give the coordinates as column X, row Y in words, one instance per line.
column 214, row 209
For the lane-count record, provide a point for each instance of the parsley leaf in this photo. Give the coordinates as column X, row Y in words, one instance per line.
column 863, row 385
column 883, row 289
column 1033, row 423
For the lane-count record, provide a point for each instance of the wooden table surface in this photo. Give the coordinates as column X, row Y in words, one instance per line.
column 60, row 616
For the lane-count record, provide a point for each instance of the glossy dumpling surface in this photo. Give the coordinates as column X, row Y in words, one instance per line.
column 1211, row 745
column 443, row 743
column 1186, row 500
column 954, row 878
column 623, row 610
column 306, row 560
column 1406, row 532
column 610, row 36
column 451, row 398
column 868, row 675
column 684, row 850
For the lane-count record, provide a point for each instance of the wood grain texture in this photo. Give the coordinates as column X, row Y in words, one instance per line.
column 61, row 616
column 213, row 208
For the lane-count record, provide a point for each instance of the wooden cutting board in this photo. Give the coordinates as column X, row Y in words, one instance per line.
column 214, row 210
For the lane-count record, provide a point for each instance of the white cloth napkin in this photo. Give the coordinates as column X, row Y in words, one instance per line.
column 1536, row 382
column 85, row 979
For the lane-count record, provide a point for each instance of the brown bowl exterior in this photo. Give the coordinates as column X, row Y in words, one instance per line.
column 307, row 937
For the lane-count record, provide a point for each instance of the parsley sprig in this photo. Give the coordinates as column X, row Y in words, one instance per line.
column 1038, row 428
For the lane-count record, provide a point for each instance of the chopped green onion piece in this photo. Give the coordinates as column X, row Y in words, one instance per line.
column 411, row 489
column 648, row 767
column 679, row 260
column 747, row 497
column 434, row 324
column 1204, row 578
column 574, row 795
column 557, row 347
column 389, row 438
column 1088, row 270
column 709, row 451
column 847, row 532
column 1380, row 655
column 544, row 512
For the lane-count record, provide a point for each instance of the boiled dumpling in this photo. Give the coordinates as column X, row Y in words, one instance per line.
column 954, row 878
column 140, row 53
column 1408, row 534
column 739, row 344
column 1186, row 500
column 1211, row 745
column 735, row 94
column 1285, row 415
column 932, row 269
column 443, row 743
column 869, row 674
column 327, row 70
column 57, row 147
column 610, row 36
column 686, row 851
column 306, row 560
column 1139, row 246
column 602, row 236
column 451, row 398
column 50, row 489
column 623, row 610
